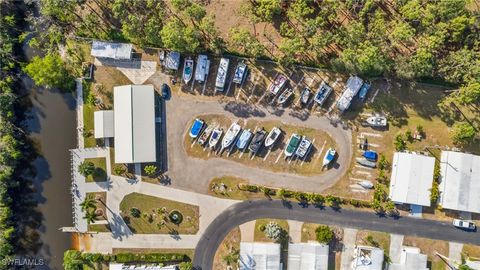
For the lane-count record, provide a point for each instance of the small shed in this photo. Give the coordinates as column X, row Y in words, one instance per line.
column 103, row 124
column 172, row 60
column 111, row 50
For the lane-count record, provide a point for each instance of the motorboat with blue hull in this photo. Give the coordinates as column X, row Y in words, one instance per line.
column 329, row 156
column 196, row 128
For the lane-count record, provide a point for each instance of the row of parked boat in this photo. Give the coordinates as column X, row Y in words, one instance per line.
column 279, row 89
column 368, row 159
column 244, row 139
column 203, row 66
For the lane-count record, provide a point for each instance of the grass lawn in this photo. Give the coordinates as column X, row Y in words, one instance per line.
column 188, row 252
column 259, row 236
column 230, row 246
column 380, row 240
column 311, row 166
column 153, row 211
column 100, row 174
column 99, row 228
column 429, row 247
column 89, row 139
column 471, row 251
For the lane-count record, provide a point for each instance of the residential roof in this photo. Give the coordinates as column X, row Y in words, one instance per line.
column 367, row 258
column 351, row 89
column 307, row 256
column 118, row 51
column 134, row 123
column 172, row 60
column 259, row 256
column 412, row 178
column 410, row 258
column 460, row 181
column 103, row 123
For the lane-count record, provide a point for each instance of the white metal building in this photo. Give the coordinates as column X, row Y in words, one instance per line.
column 367, row 258
column 259, row 256
column 134, row 123
column 412, row 178
column 352, row 87
column 112, row 50
column 103, row 124
column 410, row 258
column 460, row 181
column 307, row 256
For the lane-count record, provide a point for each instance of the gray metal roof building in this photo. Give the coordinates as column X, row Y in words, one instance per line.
column 307, row 256
column 460, row 181
column 112, row 50
column 259, row 256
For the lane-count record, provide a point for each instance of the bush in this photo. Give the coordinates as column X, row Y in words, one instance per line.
column 86, row 168
column 150, row 170
column 462, row 132
column 400, row 144
column 408, row 135
column 50, row 71
column 262, row 227
column 324, row 234
column 135, row 212
column 273, row 231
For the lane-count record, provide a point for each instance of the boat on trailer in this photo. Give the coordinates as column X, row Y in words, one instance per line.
column 370, row 155
column 222, row 74
column 240, row 72
column 278, row 83
column 196, row 128
column 362, row 93
column 377, row 121
column 272, row 136
column 231, row 134
column 285, row 96
column 257, row 140
column 366, row 184
column 303, row 147
column 329, row 156
column 244, row 138
column 322, row 94
column 365, row 162
column 305, row 95
column 187, row 70
column 215, row 137
column 205, row 134
column 292, row 145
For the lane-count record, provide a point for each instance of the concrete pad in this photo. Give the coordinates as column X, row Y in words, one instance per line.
column 454, row 252
column 247, row 231
column 396, row 243
column 349, row 238
column 295, row 230
column 138, row 74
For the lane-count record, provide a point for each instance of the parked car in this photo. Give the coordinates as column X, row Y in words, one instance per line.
column 464, row 224
column 166, row 93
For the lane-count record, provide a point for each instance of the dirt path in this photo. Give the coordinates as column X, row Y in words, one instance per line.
column 194, row 174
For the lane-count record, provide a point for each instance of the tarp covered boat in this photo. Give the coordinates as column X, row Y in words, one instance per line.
column 364, row 90
column 370, row 155
column 244, row 138
column 322, row 93
column 365, row 162
column 196, row 128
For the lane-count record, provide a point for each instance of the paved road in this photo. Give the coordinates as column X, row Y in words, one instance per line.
column 250, row 210
column 194, row 174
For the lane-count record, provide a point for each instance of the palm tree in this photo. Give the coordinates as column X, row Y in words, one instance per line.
column 88, row 203
column 86, row 168
column 90, row 216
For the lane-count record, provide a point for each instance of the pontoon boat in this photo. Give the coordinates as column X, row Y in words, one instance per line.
column 303, row 147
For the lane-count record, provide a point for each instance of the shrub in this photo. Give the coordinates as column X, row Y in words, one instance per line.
column 400, row 144
column 119, row 169
column 383, row 163
column 317, row 199
column 372, row 241
column 324, row 234
column 135, row 212
column 462, row 132
column 150, row 170
column 50, row 71
column 252, row 188
column 262, row 227
column 273, row 231
column 408, row 135
column 86, row 168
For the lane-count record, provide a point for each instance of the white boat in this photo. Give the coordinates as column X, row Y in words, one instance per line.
column 240, row 73
column 272, row 137
column 204, row 137
column 365, row 162
column 230, row 135
column 215, row 137
column 303, row 147
column 285, row 96
column 222, row 74
column 352, row 87
column 292, row 145
column 329, row 156
column 203, row 65
column 377, row 121
column 305, row 95
column 322, row 94
column 366, row 184
column 244, row 138
column 278, row 83
column 187, row 70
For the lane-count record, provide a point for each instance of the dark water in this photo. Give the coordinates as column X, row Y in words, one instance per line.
column 52, row 125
